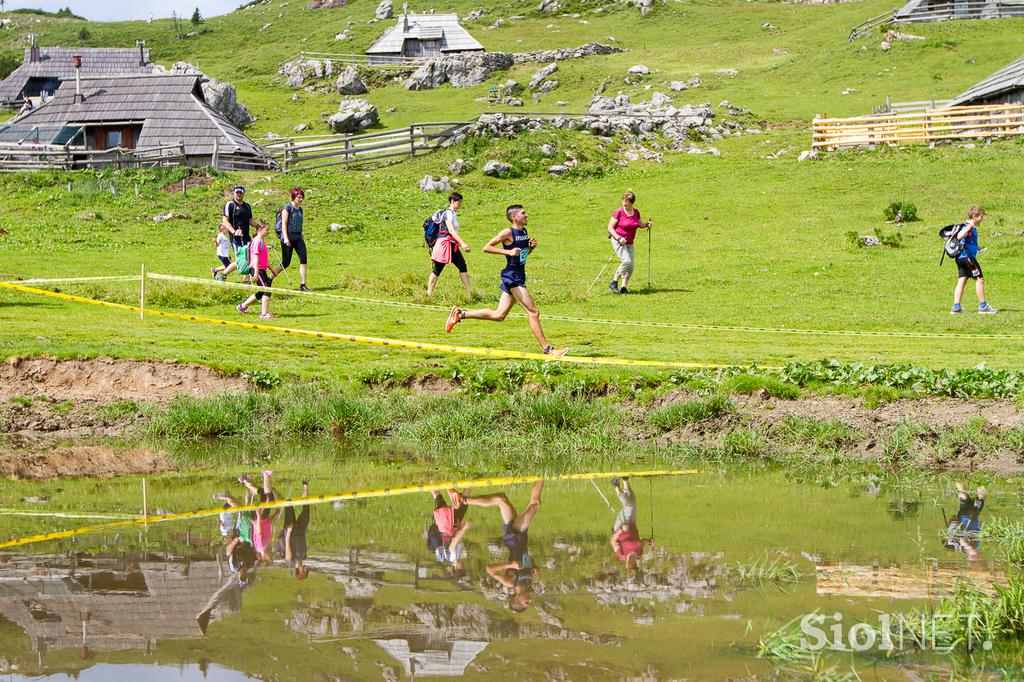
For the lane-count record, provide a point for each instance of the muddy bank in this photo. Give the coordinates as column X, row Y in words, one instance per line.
column 44, row 461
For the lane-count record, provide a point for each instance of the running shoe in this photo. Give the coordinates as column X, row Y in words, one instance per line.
column 955, row 310
column 454, row 317
column 221, row 278
column 213, row 272
column 456, row 498
column 623, row 290
column 266, row 316
column 241, row 308
column 267, row 472
column 556, row 352
column 614, row 286
column 615, row 481
column 987, row 310
column 304, row 288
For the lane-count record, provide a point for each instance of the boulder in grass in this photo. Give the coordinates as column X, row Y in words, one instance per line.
column 349, row 82
column 541, row 75
column 496, row 169
column 354, row 115
column 385, row 10
column 434, row 184
column 638, row 70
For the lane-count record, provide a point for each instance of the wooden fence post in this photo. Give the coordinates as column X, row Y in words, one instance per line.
column 184, row 157
column 412, row 138
column 216, row 151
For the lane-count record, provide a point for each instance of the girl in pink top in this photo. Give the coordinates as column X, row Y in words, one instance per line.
column 259, row 258
column 622, row 229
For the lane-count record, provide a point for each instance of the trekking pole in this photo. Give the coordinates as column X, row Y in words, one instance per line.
column 649, row 231
column 600, row 273
column 650, row 503
column 602, row 496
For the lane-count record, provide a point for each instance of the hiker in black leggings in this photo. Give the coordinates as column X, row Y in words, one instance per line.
column 291, row 543
column 289, row 230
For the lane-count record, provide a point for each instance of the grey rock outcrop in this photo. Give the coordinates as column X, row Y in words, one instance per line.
column 638, row 70
column 432, row 184
column 385, row 10
column 546, row 87
column 645, row 6
column 677, row 86
column 541, row 75
column 549, row 6
column 496, row 169
column 220, row 96
column 461, row 71
column 349, row 82
column 546, row 56
column 353, row 116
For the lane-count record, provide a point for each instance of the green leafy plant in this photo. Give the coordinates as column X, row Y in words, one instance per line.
column 900, row 212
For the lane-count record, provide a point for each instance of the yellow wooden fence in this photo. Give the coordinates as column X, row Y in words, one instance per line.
column 930, row 125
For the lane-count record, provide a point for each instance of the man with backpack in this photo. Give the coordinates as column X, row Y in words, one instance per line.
column 441, row 232
column 967, row 262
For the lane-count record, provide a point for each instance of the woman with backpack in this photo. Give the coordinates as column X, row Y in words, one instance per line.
column 448, row 246
column 967, row 263
column 259, row 259
column 622, row 227
column 289, row 230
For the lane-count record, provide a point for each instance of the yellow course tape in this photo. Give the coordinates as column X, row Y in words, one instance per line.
column 687, row 326
column 339, row 497
column 63, row 280
column 378, row 341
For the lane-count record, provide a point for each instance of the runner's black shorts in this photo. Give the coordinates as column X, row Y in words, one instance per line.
column 968, row 267
column 458, row 260
column 263, row 279
column 298, row 246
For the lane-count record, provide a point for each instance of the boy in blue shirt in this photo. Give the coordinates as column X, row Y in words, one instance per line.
column 967, row 263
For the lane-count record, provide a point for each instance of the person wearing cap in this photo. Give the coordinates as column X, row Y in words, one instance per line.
column 237, row 219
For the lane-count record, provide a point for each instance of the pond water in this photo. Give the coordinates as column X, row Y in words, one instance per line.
column 718, row 563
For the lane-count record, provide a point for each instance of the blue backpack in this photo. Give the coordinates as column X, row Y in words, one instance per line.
column 432, row 229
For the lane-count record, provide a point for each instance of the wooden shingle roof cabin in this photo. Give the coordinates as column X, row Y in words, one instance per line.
column 1005, row 86
column 420, row 36
column 148, row 111
column 45, row 68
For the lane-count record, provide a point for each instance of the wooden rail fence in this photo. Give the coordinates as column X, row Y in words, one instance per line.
column 15, row 158
column 930, row 125
column 377, row 61
column 947, row 11
column 319, row 151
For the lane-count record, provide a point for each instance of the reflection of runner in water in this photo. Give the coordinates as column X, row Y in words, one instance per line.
column 625, row 539
column 291, row 543
column 518, row 572
column 241, row 557
column 444, row 535
column 962, row 534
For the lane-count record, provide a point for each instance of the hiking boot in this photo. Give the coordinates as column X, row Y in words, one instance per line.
column 303, row 288
column 987, row 310
column 614, row 286
column 241, row 308
column 454, row 317
column 955, row 310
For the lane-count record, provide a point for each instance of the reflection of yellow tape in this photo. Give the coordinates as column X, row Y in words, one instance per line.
column 377, row 341
column 685, row 326
column 339, row 497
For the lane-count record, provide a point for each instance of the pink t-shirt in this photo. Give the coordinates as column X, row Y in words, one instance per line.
column 626, row 225
column 262, row 254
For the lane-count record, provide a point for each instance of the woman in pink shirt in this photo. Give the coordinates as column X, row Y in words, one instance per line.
column 622, row 229
column 259, row 257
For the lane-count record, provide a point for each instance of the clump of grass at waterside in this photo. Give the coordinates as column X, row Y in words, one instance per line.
column 690, row 412
column 562, row 422
column 767, row 570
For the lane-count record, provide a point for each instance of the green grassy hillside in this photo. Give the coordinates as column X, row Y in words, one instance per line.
column 740, row 239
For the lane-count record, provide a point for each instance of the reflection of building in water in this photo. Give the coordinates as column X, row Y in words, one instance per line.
column 108, row 604
column 902, row 582
column 425, row 637
column 667, row 578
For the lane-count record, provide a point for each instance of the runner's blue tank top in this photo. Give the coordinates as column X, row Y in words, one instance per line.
column 516, row 265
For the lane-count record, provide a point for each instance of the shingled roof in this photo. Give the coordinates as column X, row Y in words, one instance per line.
column 443, row 27
column 170, row 108
column 56, row 62
column 1009, row 77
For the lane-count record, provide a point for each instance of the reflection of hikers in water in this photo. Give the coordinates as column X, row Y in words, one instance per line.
column 444, row 535
column 518, row 572
column 625, row 539
column 291, row 543
column 241, row 557
column 962, row 534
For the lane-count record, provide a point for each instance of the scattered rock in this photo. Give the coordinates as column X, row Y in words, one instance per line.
column 694, row 82
column 546, row 150
column 549, row 6
column 295, row 97
column 496, row 169
column 727, row 72
column 848, row 91
column 498, row 23
column 434, row 184
column 353, row 116
column 475, row 15
column 461, row 70
column 336, row 227
column 542, row 74
column 391, row 110
column 885, row 46
column 892, row 36
column 546, row 87
column 264, row 27
column 349, row 82
column 547, row 56
column 170, row 215
column 385, row 10
column 768, row 26
column 458, row 166
column 558, row 169
column 645, row 6
column 326, row 4
column 638, row 70
column 300, row 128
column 809, row 154
column 660, row 100
column 870, row 240
column 88, row 215
column 780, row 50
column 677, row 86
